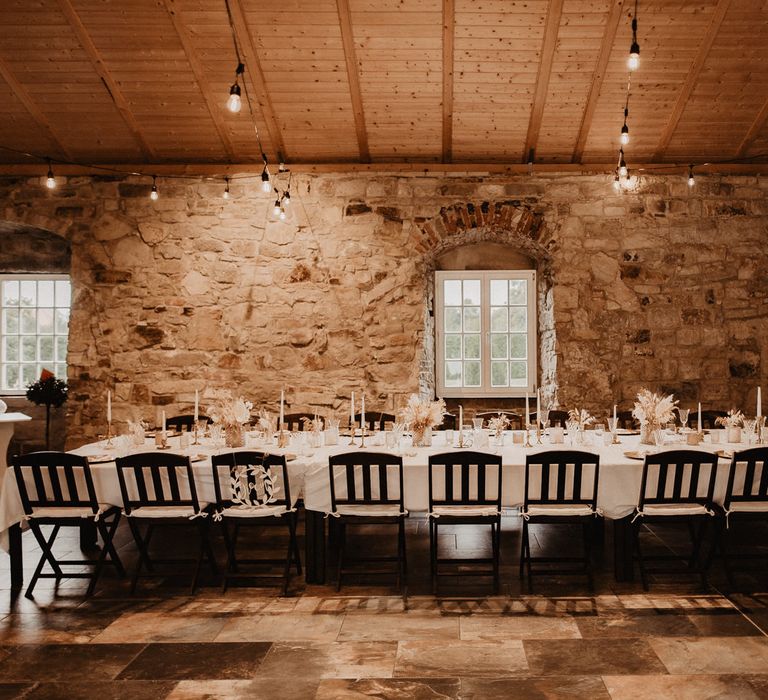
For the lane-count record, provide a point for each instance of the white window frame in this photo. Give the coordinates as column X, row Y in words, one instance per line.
column 27, row 277
column 485, row 389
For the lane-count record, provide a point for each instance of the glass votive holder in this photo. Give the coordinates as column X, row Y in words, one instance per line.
column 448, row 437
column 557, row 435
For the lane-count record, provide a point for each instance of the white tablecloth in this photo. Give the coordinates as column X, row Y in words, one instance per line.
column 617, row 493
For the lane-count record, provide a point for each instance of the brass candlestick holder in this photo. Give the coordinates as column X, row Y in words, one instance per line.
column 196, row 436
column 461, row 439
column 538, row 433
column 362, row 434
column 282, row 439
column 527, row 442
column 109, row 434
column 351, row 434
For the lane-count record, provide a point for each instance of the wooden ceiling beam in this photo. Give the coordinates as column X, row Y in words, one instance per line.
column 449, row 23
column 353, row 76
column 690, row 80
column 34, row 110
column 606, row 46
column 106, row 77
column 549, row 44
column 253, row 170
column 209, row 95
column 255, row 76
column 754, row 130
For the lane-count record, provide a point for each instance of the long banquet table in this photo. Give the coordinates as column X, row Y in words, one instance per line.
column 618, row 490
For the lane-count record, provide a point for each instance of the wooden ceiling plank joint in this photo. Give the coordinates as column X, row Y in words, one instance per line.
column 106, row 77
column 601, row 67
column 548, row 46
column 449, row 23
column 255, row 76
column 212, row 104
column 754, row 130
column 34, row 110
column 690, row 80
column 353, row 76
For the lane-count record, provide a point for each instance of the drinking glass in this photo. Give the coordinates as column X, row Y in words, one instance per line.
column 749, row 429
column 217, row 435
column 613, row 424
column 477, row 423
column 683, row 413
column 571, row 427
column 599, row 430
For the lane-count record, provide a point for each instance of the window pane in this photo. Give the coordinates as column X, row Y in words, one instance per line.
column 518, row 345
column 62, row 320
column 45, row 293
column 517, row 292
column 11, row 293
column 472, row 373
column 499, row 294
column 11, row 349
column 472, row 292
column 61, row 372
column 45, row 348
column 12, row 375
column 499, row 346
column 29, row 374
column 28, row 321
column 518, row 375
column 472, row 347
column 453, row 347
column 28, row 293
column 499, row 374
column 518, row 319
column 45, row 321
column 453, row 320
column 499, row 319
column 471, row 319
column 63, row 293
column 10, row 320
column 29, row 348
column 453, row 374
column 452, row 292
column 61, row 349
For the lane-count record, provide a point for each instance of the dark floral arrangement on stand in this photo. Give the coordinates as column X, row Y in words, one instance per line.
column 47, row 391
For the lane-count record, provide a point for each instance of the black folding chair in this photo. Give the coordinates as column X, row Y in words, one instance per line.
column 374, row 420
column 158, row 489
column 746, row 501
column 256, row 492
column 560, row 488
column 184, row 422
column 56, row 488
column 297, row 422
column 465, row 489
column 677, row 487
column 367, row 488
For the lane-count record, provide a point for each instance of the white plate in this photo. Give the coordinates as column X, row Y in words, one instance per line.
column 100, row 459
column 635, row 454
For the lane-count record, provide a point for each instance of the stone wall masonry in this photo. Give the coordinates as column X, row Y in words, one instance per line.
column 660, row 286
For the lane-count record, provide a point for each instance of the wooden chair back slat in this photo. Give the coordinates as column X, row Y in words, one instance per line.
column 359, row 471
column 678, row 477
column 478, row 472
column 156, row 469
column 753, row 464
column 39, row 481
column 572, row 470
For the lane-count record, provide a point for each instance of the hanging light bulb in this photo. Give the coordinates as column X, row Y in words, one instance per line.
column 286, row 199
column 633, row 62
column 282, row 214
column 226, row 188
column 624, row 135
column 691, row 179
column 154, row 194
column 617, row 182
column 50, row 180
column 234, row 103
column 266, row 186
column 622, row 164
column 277, row 208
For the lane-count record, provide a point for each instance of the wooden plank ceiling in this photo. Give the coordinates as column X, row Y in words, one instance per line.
column 383, row 81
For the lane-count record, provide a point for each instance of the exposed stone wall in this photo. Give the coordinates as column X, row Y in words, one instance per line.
column 660, row 286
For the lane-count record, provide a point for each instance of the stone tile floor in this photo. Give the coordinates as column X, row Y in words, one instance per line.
column 616, row 641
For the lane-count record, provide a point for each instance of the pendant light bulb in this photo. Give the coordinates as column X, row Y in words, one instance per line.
column 691, row 179
column 266, row 186
column 154, row 194
column 624, row 138
column 50, row 180
column 277, row 209
column 282, row 214
column 617, row 183
column 286, row 199
column 633, row 62
column 234, row 103
column 622, row 165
